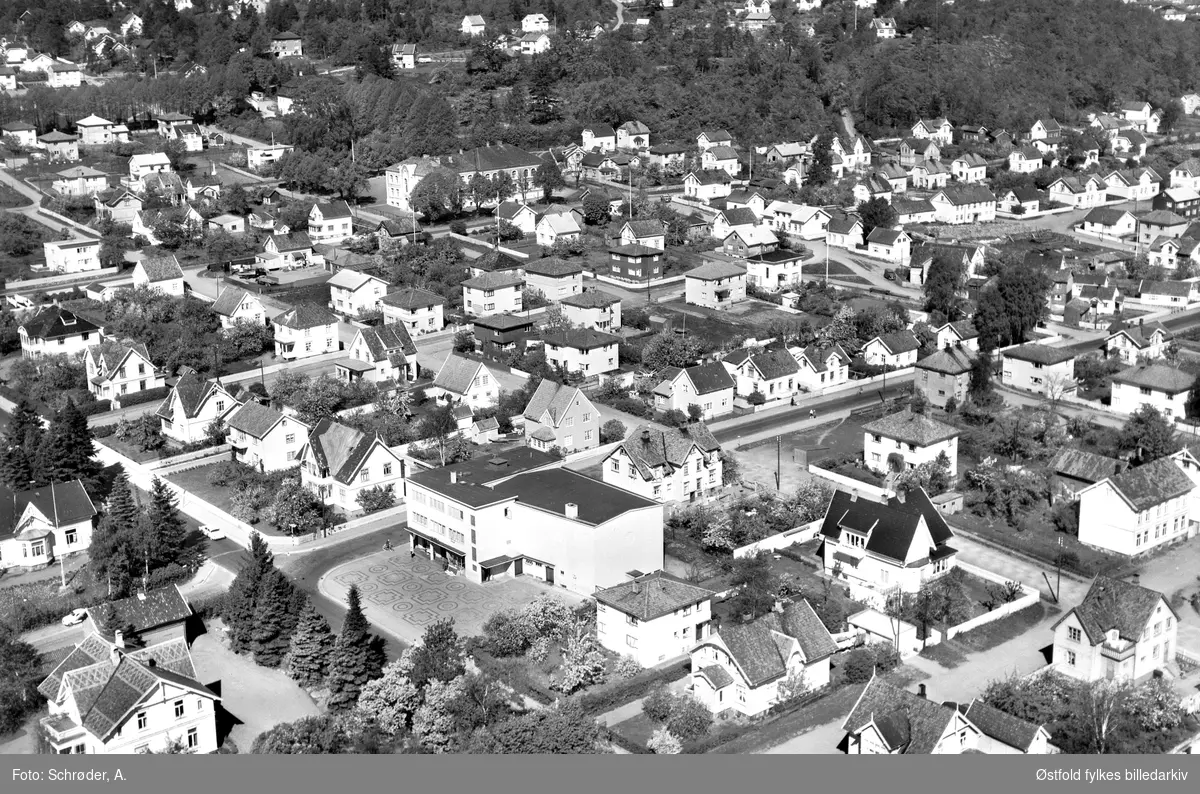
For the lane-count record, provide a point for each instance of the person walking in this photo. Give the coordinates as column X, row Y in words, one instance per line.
column 812, row 414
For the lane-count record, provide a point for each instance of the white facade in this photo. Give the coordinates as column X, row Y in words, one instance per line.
column 189, row 426
column 1116, row 657
column 699, row 474
column 589, row 361
column 354, row 293
column 379, row 468
column 272, row 449
column 1043, row 378
column 297, row 343
column 1127, row 398
column 877, row 447
column 330, row 223
column 72, row 256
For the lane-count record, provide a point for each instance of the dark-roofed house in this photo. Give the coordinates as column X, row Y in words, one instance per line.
column 264, row 438
column 1108, row 222
column 634, row 262
column 898, row 349
column 161, row 273
column 1175, row 294
column 118, row 367
column 1004, row 734
column 1076, row 469
column 340, row 462
column 581, row 350
column 888, row 720
column 1039, row 368
column 498, row 336
column 1131, row 343
column 285, row 251
column 599, row 138
column 43, row 524
column 54, row 331
column 891, row 245
column 194, row 404
column 236, row 305
column 709, row 386
column 878, row 546
column 593, row 309
column 523, row 515
column 821, row 366
column 108, row 698
column 707, row 184
column 492, row 159
column 1160, row 223
column 467, row 381
column 495, row 292
column 653, row 617
column 716, row 284
column 1162, row 387
column 747, row 667
column 666, row 465
column 1120, row 631
column 906, row 439
column 959, row 334
column 418, row 310
column 152, row 617
column 1139, row 509
column 773, row 374
column 945, row 375
column 304, row 331
column 389, row 353
column 561, row 416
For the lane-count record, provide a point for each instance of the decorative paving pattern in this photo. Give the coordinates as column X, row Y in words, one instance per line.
column 403, row 594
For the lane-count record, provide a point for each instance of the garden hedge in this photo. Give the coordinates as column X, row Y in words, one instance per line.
column 139, row 397
column 610, row 696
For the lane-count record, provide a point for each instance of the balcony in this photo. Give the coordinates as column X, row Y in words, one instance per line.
column 1120, row 652
column 62, row 730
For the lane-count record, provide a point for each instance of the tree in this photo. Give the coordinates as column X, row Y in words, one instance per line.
column 690, row 719
column 943, row 284
column 549, row 177
column 20, row 671
column 562, row 729
column 392, row 699
column 357, row 657
column 439, row 656
column 433, row 723
column 296, row 509
column 1192, row 407
column 310, row 647
column 731, row 469
column 324, row 734
column 583, row 662
column 877, row 212
column 169, row 528
column 596, row 210
column 273, row 619
column 241, row 602
column 440, row 426
column 22, row 438
column 657, row 705
column 662, row 742
column 380, row 497
column 669, row 349
column 439, row 195
column 612, row 430
column 464, row 342
column 756, row 584
column 1172, row 112
column 820, row 171
column 1012, row 307
column 979, row 387
column 1149, row 435
column 811, row 500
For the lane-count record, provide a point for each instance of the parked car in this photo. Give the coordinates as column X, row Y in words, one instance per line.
column 74, row 617
column 212, row 533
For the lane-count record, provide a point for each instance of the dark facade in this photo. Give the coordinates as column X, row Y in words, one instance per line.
column 498, row 335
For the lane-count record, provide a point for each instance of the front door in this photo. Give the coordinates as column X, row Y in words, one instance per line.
column 518, row 566
column 549, row 575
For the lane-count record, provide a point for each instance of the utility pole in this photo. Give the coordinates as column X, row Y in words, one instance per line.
column 778, row 461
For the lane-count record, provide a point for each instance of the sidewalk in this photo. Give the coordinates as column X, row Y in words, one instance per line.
column 634, row 708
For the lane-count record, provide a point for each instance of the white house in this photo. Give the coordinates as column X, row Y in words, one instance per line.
column 903, row 543
column 1161, row 387
column 419, row 310
column 263, row 438
column 56, row 331
column 969, row 167
column 1108, row 222
column 519, row 214
column 720, row 158
column 330, row 223
column 582, row 350
column 715, row 284
column 667, row 465
column 709, row 138
column 72, row 256
column 748, row 667
column 340, row 463
column 387, row 353
column 653, row 617
column 161, row 273
column 708, row 386
column 964, row 203
column 772, row 374
column 466, row 381
column 236, row 305
column 80, row 180
column 555, row 227
column 797, row 220
column 775, row 269
column 521, row 515
column 1025, row 160
column 844, row 231
column 95, row 131
column 46, row 523
column 535, row 23
column 304, row 331
column 896, row 350
column 142, row 165
column 888, row 720
column 891, row 245
column 1004, row 734
column 1135, row 184
column 1134, row 343
column 259, row 157
column 1139, row 509
column 354, row 293
column 594, row 309
column 820, row 367
column 194, row 404
column 707, row 184
column 650, row 233
column 115, row 368
column 533, row 43
column 1120, row 631
column 472, row 25
column 498, row 292
column 939, row 130
column 561, row 416
column 914, row 438
column 1039, row 368
column 600, row 138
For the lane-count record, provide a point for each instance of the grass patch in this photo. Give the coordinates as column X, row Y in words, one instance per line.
column 946, row 654
column 637, row 729
column 990, row 635
column 834, row 706
column 10, row 198
column 1039, row 540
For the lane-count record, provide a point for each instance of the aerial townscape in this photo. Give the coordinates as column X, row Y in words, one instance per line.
column 599, row 376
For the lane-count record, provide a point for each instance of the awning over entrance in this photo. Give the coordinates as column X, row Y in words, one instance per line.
column 841, row 556
column 504, row 559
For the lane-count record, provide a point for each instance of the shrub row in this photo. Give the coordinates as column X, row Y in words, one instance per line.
column 731, row 731
column 149, row 395
column 610, row 696
column 510, row 671
column 104, row 431
column 624, row 742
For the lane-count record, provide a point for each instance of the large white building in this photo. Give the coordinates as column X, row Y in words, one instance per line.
column 56, row 331
column 653, row 617
column 1139, row 509
column 915, row 438
column 341, row 462
column 305, row 331
column 1161, row 387
column 264, row 438
column 582, row 350
column 194, row 404
column 419, row 310
column 354, row 293
column 666, row 465
column 46, row 524
column 521, row 515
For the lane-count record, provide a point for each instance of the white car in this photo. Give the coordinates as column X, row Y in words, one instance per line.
column 212, row 533
column 75, row 617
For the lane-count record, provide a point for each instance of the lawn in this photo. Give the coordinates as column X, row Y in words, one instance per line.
column 992, row 634
column 1039, row 541
column 832, row 439
column 195, row 481
column 11, row 198
column 253, row 698
column 637, row 729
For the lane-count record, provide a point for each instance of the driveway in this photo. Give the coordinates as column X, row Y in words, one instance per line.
column 403, row 595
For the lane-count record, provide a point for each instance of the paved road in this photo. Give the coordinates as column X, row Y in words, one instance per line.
column 620, row 14
column 31, row 210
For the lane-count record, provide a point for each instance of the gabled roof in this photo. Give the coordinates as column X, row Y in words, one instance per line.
column 645, row 228
column 143, row 611
column 761, row 649
column 971, row 159
column 909, row 723
column 1178, row 289
column 109, row 354
column 601, row 130
column 191, row 390
column 953, row 361
column 229, row 300
column 711, row 176
column 650, row 448
column 891, row 526
column 340, row 449
column 384, row 340
column 652, row 596
column 550, row 402
column 254, row 419
column 912, row 428
column 306, row 315
column 996, row 724
column 962, row 195
column 716, row 135
column 498, row 157
column 591, row 299
column 884, row 236
column 898, row 342
column 62, row 504
column 1141, row 335
column 56, row 323
column 1106, row 216
column 296, row 241
column 457, row 374
column 161, row 268
column 352, row 280
column 709, row 378
column 843, row 224
column 1158, row 377
column 1089, row 467
column 774, row 364
column 1162, row 218
column 498, row 279
column 818, row 357
column 1116, row 604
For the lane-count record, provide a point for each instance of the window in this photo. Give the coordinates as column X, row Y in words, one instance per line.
column 387, row 470
column 1158, row 629
column 631, row 640
column 72, row 537
column 631, row 620
column 1074, row 634
column 1071, row 658
column 587, row 435
column 365, row 476
column 587, row 417
column 290, row 438
column 657, row 490
column 193, row 739
column 877, row 438
column 178, row 709
column 141, row 721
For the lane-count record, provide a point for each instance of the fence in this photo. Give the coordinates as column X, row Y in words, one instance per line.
column 77, row 226
column 843, row 482
column 1029, row 597
column 62, row 280
column 800, row 534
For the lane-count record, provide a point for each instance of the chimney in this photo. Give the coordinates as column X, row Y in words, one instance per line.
column 921, row 691
column 119, row 638
column 571, row 510
column 778, row 606
column 637, row 587
column 901, row 495
column 646, row 436
column 453, row 477
column 115, row 656
column 854, row 496
column 142, row 595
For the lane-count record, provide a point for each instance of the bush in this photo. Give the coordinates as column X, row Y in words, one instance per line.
column 94, row 407
column 657, row 705
column 103, row 431
column 756, row 398
column 458, row 227
column 690, row 719
column 506, row 634
column 612, row 430
column 139, row 397
column 616, row 694
column 626, row 667
column 861, row 663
